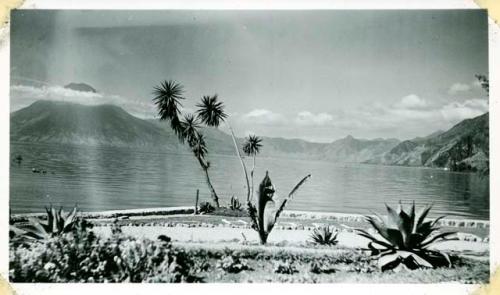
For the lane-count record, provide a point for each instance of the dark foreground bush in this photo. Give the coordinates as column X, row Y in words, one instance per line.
column 87, row 258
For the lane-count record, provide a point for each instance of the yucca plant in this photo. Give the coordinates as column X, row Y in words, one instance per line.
column 235, row 204
column 251, row 148
column 324, row 236
column 168, row 97
column 57, row 223
column 405, row 238
column 264, row 213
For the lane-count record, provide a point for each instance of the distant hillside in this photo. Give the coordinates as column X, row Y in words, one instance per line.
column 350, row 149
column 460, row 148
column 108, row 125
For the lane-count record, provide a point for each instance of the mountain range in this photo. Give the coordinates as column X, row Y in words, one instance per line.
column 463, row 147
column 109, row 125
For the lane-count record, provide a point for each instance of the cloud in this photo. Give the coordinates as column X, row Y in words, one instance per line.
column 459, row 87
column 411, row 101
column 306, row 118
column 458, row 111
column 264, row 117
column 23, row 96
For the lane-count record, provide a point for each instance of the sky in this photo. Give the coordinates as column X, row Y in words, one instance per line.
column 314, row 75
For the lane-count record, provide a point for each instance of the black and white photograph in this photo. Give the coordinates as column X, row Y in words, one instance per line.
column 249, row 146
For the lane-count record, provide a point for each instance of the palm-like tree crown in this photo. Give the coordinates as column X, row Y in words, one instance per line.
column 190, row 126
column 211, row 112
column 252, row 145
column 167, row 99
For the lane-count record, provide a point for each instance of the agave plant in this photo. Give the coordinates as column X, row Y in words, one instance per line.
column 265, row 213
column 235, row 204
column 57, row 223
column 324, row 236
column 405, row 238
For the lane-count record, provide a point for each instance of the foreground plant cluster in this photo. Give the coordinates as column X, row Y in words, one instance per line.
column 84, row 257
column 65, row 249
column 81, row 256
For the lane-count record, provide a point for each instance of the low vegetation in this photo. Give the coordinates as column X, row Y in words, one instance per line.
column 84, row 257
column 206, row 207
column 81, row 256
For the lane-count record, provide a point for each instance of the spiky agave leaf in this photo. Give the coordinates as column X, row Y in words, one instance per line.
column 374, row 239
column 423, row 214
column 210, row 111
column 36, row 230
column 433, row 239
column 403, row 223
column 393, row 236
column 69, row 220
column 57, row 223
column 291, row 194
column 391, row 260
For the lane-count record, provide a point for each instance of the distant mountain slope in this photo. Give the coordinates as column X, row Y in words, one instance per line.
column 460, row 148
column 108, row 125
column 62, row 122
column 350, row 149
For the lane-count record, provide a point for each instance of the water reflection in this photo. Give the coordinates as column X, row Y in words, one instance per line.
column 111, row 178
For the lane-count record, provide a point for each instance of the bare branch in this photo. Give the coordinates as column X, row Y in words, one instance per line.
column 241, row 160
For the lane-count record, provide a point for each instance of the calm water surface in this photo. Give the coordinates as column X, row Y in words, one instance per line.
column 111, row 178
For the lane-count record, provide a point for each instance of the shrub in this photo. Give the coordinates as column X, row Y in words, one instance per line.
column 285, row 268
column 233, row 264
column 324, row 236
column 85, row 257
column 405, row 239
column 206, row 207
column 319, row 268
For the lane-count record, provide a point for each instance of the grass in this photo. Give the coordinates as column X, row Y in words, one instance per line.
column 346, row 266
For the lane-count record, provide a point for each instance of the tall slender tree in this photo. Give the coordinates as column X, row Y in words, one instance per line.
column 210, row 112
column 251, row 148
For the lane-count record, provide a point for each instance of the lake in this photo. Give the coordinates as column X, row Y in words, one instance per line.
column 100, row 178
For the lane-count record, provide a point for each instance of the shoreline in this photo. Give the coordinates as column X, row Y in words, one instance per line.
column 294, row 214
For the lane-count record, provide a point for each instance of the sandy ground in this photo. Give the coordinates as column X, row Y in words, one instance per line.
column 226, row 234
